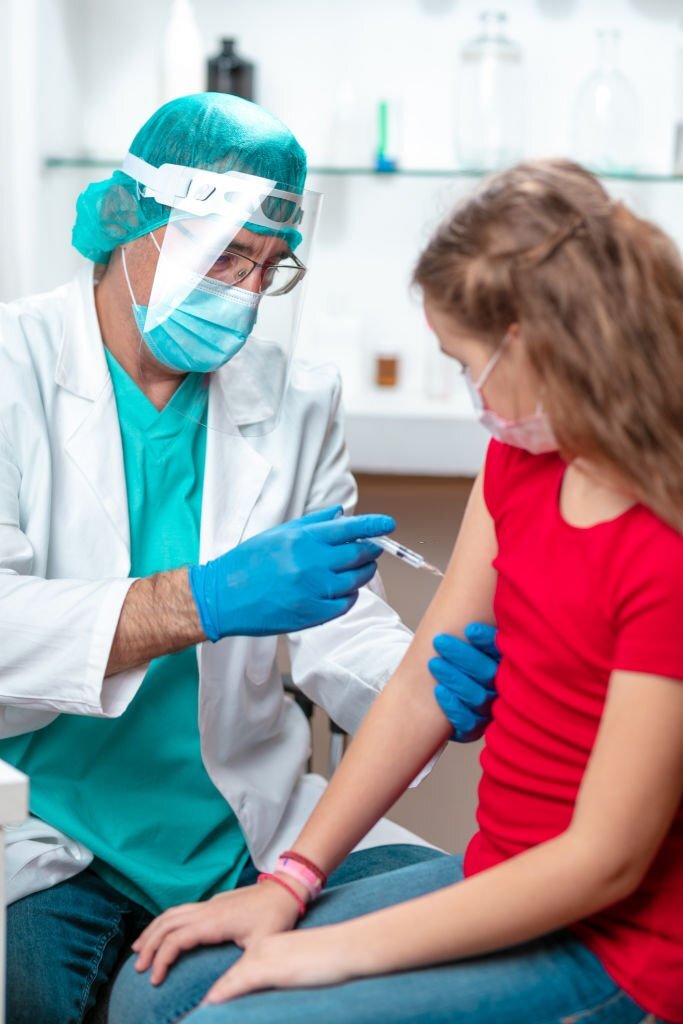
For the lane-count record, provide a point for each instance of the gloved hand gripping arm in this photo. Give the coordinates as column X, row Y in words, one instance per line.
column 465, row 672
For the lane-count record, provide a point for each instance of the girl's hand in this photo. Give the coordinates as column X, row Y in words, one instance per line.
column 242, row 916
column 304, row 959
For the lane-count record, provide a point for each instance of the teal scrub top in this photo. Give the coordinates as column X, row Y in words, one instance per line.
column 134, row 789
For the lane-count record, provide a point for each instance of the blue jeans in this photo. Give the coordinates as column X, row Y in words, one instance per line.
column 555, row 980
column 65, row 944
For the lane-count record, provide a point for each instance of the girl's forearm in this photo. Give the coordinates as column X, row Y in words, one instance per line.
column 537, row 892
column 402, row 731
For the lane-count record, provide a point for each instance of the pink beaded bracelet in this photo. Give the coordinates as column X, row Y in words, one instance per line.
column 301, row 873
column 295, row 855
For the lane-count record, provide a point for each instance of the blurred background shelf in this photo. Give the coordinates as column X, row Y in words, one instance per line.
column 105, row 163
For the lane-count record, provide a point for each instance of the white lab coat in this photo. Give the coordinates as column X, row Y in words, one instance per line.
column 65, row 559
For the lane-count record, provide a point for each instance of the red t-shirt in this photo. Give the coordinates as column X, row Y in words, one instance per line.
column 571, row 605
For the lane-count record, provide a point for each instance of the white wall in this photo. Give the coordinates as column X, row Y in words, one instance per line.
column 19, row 163
column 311, row 51
column 99, row 68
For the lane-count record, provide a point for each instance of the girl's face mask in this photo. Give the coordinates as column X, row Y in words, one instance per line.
column 532, row 433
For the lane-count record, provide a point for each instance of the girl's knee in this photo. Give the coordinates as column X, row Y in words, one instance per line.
column 134, row 1000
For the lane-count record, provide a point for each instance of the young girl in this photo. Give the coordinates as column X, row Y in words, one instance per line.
column 566, row 312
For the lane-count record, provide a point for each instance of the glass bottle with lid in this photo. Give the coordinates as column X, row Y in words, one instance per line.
column 229, row 72
column 490, row 101
column 606, row 113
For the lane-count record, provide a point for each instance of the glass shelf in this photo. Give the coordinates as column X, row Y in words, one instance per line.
column 103, row 163
column 462, row 172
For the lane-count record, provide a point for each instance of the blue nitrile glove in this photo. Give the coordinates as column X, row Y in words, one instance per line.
column 465, row 674
column 290, row 577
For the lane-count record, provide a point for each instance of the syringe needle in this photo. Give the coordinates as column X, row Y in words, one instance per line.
column 392, row 547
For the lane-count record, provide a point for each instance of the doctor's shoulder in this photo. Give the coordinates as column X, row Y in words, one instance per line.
column 31, row 332
column 31, row 337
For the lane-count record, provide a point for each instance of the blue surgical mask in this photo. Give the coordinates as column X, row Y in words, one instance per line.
column 204, row 331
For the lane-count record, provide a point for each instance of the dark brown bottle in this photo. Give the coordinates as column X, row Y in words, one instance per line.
column 228, row 72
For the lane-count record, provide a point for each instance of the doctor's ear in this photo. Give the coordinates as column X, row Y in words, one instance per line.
column 142, row 255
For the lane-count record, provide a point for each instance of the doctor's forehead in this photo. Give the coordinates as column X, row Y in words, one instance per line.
column 203, row 232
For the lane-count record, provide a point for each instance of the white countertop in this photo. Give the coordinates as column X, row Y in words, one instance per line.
column 399, row 433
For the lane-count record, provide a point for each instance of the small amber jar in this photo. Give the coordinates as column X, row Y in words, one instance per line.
column 386, row 370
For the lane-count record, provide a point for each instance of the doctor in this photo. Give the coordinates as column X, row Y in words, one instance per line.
column 171, row 499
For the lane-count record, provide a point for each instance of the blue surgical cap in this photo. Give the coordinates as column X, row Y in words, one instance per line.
column 210, row 130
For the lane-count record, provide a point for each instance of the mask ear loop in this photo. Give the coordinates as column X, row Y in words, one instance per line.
column 141, row 367
column 141, row 343
column 125, row 267
column 127, row 277
column 539, row 410
column 492, row 363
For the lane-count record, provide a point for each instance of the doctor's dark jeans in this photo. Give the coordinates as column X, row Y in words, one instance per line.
column 66, row 943
column 554, row 980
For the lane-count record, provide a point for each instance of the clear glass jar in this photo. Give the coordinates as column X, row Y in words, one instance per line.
column 490, row 101
column 678, row 103
column 606, row 113
column 440, row 372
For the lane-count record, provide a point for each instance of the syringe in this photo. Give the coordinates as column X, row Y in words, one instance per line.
column 392, row 547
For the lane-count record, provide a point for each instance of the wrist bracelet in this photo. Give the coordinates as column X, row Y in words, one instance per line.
column 301, row 873
column 300, row 859
column 266, row 876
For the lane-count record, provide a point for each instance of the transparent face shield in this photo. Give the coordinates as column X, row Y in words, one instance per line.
column 229, row 283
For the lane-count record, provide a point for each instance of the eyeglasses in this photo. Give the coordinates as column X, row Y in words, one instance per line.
column 232, row 268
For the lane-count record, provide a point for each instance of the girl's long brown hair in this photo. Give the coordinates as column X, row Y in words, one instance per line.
column 598, row 296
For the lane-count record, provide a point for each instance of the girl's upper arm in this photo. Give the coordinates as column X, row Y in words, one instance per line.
column 633, row 783
column 467, row 590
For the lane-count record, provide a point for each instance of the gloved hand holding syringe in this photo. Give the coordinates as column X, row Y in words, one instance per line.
column 393, row 547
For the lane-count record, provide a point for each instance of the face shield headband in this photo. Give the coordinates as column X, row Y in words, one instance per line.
column 232, row 194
